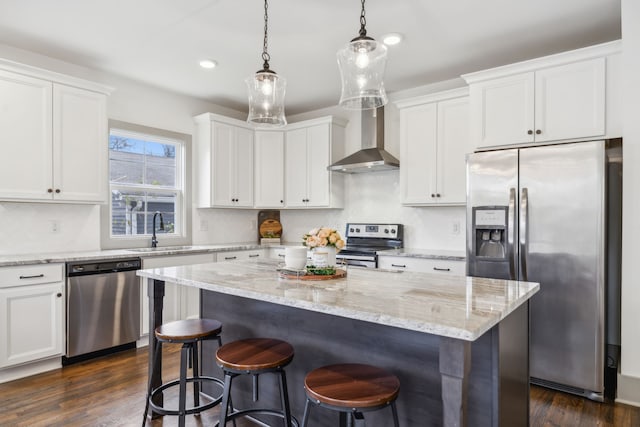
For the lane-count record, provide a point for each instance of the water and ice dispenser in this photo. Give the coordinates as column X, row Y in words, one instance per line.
column 489, row 251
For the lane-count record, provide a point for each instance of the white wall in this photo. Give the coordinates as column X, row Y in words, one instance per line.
column 629, row 384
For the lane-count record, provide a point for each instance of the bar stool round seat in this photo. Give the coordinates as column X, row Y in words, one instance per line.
column 351, row 388
column 189, row 333
column 255, row 356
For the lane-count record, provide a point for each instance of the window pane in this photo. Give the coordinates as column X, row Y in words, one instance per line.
column 166, row 205
column 132, row 212
column 125, row 206
column 161, row 170
column 137, row 161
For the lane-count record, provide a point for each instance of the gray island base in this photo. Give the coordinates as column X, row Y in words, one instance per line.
column 459, row 345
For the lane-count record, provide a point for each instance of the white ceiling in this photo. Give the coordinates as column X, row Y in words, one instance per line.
column 161, row 41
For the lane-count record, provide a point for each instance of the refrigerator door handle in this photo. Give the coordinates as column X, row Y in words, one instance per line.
column 511, row 253
column 524, row 212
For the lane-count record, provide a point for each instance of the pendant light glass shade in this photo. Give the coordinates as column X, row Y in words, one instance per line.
column 362, row 64
column 266, row 90
column 266, row 99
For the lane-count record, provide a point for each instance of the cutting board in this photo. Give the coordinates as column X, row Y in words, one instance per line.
column 270, row 228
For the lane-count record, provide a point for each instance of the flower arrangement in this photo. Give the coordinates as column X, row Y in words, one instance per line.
column 323, row 236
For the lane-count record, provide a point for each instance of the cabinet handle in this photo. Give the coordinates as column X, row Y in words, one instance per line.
column 441, row 269
column 529, row 132
column 57, row 191
column 281, row 255
column 254, row 256
column 49, row 190
column 59, row 294
column 437, row 194
column 538, row 131
column 230, row 257
column 36, row 276
column 433, row 195
column 281, row 201
column 399, row 265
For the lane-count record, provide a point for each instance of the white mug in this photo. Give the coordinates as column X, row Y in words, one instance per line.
column 295, row 257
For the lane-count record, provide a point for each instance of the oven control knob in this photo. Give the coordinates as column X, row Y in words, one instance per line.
column 351, row 230
column 393, row 231
column 357, row 230
column 386, row 231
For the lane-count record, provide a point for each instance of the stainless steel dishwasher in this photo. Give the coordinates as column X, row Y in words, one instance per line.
column 103, row 307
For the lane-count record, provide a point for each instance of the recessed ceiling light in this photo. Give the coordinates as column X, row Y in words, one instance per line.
column 392, row 39
column 208, row 63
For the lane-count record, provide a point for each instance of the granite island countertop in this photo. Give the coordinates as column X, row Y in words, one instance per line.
column 450, row 306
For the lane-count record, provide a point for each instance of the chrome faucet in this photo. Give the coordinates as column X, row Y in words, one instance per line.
column 154, row 241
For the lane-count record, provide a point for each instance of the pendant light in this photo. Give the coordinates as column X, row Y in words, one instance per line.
column 362, row 62
column 266, row 90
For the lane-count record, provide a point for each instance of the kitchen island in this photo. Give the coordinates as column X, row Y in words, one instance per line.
column 458, row 344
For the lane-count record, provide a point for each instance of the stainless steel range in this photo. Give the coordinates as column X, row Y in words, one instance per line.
column 364, row 240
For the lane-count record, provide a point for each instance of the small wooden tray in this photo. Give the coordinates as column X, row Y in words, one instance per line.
column 339, row 274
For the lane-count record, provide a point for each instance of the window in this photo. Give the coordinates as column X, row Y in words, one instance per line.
column 146, row 176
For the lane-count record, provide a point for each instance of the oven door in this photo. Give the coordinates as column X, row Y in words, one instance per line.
column 363, row 261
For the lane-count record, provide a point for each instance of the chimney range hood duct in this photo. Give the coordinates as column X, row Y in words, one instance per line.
column 372, row 157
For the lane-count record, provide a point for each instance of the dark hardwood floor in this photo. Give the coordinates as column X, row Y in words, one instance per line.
column 110, row 391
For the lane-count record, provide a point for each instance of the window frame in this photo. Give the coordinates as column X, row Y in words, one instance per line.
column 182, row 234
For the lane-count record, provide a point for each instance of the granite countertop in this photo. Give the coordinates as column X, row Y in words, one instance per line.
column 72, row 256
column 46, row 258
column 457, row 307
column 425, row 253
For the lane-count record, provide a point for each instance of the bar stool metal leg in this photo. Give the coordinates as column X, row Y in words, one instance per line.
column 284, row 393
column 307, row 411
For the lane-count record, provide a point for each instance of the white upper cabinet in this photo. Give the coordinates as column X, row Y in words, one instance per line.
column 269, row 169
column 80, row 147
column 225, row 156
column 54, row 140
column 556, row 98
column 434, row 139
column 310, row 147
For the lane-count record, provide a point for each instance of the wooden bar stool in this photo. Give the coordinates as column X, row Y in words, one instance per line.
column 188, row 333
column 255, row 356
column 351, row 389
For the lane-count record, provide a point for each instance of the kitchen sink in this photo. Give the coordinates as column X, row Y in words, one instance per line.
column 162, row 249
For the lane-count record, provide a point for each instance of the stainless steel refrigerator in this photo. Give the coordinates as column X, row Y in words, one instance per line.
column 540, row 214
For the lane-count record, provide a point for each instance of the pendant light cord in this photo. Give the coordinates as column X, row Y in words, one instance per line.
column 265, row 54
column 363, row 21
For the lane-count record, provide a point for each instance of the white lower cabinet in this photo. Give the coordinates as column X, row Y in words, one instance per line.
column 180, row 302
column 249, row 254
column 424, row 265
column 32, row 312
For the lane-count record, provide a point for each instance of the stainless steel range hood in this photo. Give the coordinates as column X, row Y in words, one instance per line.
column 372, row 157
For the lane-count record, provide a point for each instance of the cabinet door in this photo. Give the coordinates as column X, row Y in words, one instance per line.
column 269, row 177
column 243, row 168
column 222, row 162
column 33, row 323
column 502, row 111
column 318, row 158
column 454, row 143
column 418, row 135
column 25, row 137
column 80, row 146
column 296, row 168
column 570, row 101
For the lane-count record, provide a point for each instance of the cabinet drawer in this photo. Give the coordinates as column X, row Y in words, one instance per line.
column 31, row 275
column 236, row 255
column 436, row 266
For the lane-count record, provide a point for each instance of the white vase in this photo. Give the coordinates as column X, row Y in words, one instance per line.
column 324, row 256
